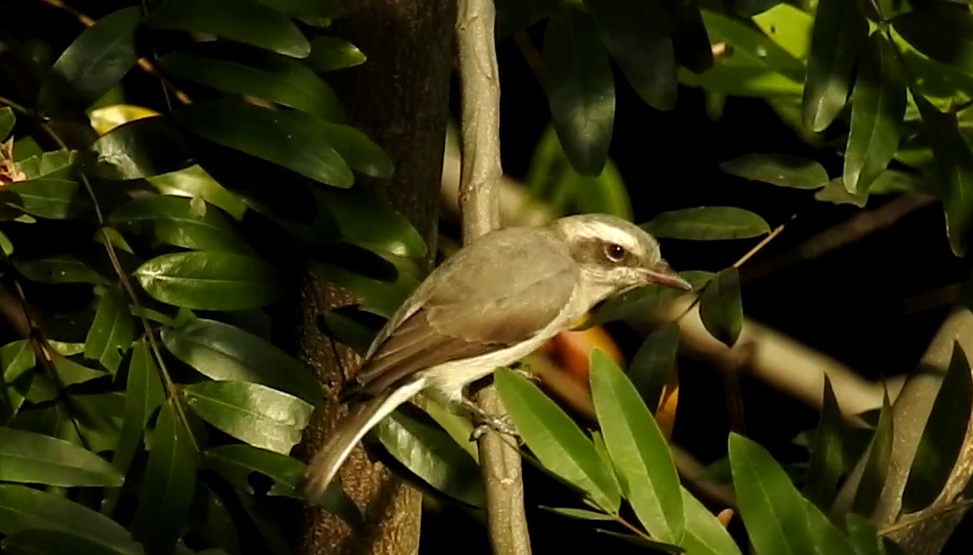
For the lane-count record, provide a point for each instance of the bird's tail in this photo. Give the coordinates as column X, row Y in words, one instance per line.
column 325, row 464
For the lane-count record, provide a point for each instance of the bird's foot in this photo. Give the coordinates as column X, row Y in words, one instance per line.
column 522, row 369
column 484, row 421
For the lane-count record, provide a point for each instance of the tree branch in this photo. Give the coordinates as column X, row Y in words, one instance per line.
column 480, row 210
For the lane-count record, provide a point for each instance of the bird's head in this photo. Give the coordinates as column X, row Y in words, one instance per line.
column 615, row 255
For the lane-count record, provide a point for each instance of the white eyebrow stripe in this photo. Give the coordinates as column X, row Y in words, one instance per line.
column 611, row 234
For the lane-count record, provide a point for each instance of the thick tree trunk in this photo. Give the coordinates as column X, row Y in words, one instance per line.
column 400, row 97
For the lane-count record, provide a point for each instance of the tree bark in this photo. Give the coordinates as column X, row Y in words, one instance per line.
column 400, row 98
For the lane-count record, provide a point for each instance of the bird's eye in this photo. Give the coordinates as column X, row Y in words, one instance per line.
column 614, row 252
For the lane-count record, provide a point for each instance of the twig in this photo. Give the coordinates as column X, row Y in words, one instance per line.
column 480, row 209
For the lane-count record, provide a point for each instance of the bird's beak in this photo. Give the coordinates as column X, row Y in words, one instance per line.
column 662, row 274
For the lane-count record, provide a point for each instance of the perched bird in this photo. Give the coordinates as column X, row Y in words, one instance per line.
column 490, row 304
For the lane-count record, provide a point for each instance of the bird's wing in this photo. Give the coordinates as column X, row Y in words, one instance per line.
column 498, row 292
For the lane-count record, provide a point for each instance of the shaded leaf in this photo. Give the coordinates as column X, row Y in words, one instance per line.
column 705, row 535
column 558, row 442
column 7, row 122
column 941, row 31
column 210, row 280
column 368, row 221
column 211, row 520
column 195, row 182
column 253, row 413
column 877, row 463
column 23, row 508
column 112, row 331
column 643, row 542
column 175, row 222
column 580, row 514
column 779, row 521
column 58, row 269
column 55, row 164
column 863, row 535
column 331, row 53
column 784, row 170
column 706, row 223
column 639, row 452
column 29, row 457
column 350, row 327
column 689, row 38
column 378, row 296
column 169, row 484
column 836, row 193
column 142, row 148
column 94, row 63
column 747, row 8
column 654, row 362
column 296, row 141
column 143, row 394
column 263, row 74
column 54, row 542
column 877, row 107
column 827, row 453
column 645, row 300
column 943, row 435
column 721, row 307
column 251, row 23
column 227, row 353
column 637, row 34
column 49, row 198
column 840, row 30
column 580, row 89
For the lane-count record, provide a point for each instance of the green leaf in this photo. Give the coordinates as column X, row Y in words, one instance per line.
column 212, row 521
column 784, row 170
column 23, row 508
column 58, row 269
column 369, row 221
column 645, row 300
column 689, row 37
column 251, row 23
column 789, row 27
column 194, row 182
column 70, row 372
column 210, row 280
column 943, row 435
column 263, row 74
column 253, row 413
column 954, row 164
column 637, row 34
column 16, row 359
column 59, row 164
column 654, row 362
column 558, row 442
column 580, row 90
column 835, row 192
column 143, row 394
column 296, row 141
column 94, row 63
column 639, row 452
column 707, row 223
column 54, row 542
column 142, row 148
column 33, row 458
column 877, row 107
column 380, row 297
column 877, row 463
column 350, row 327
column 705, row 535
column 778, row 520
column 840, row 30
column 331, row 53
column 580, row 514
column 430, row 453
column 827, row 454
column 227, row 353
column 5, row 245
column 941, row 31
column 7, row 122
column 863, row 535
column 643, row 542
column 721, row 307
column 175, row 222
column 112, row 331
column 169, row 483
column 49, row 198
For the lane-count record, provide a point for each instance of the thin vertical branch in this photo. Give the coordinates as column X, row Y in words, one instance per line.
column 480, row 208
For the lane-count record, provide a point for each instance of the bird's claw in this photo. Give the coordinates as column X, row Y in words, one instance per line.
column 498, row 424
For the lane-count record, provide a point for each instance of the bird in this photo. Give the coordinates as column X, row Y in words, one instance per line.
column 488, row 305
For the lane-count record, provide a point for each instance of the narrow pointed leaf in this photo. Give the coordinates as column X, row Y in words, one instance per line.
column 581, row 89
column 143, row 394
column 195, row 182
column 639, row 452
column 789, row 26
column 637, row 34
column 332, row 53
column 863, row 535
column 840, row 30
column 112, row 331
column 940, row 30
column 877, row 464
column 251, row 23
column 54, row 542
column 253, row 413
column 779, row 521
column 169, row 483
column 556, row 440
column 7, row 122
column 227, row 353
column 580, row 514
column 212, row 521
column 705, row 535
column 23, row 508
column 646, row 299
column 707, row 223
column 142, row 148
column 293, row 140
column 58, row 269
column 174, row 222
column 266, row 75
column 367, row 220
column 33, row 458
column 878, row 104
column 47, row 197
column 210, row 280
column 654, row 362
column 783, row 170
column 943, row 436
column 94, row 63
column 827, row 453
column 721, row 307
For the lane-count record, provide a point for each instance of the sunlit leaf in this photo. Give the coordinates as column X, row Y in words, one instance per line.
column 332, row 53
column 721, row 308
column 94, row 63
column 827, row 453
column 49, row 198
column 109, row 117
column 223, row 352
column 705, row 535
column 195, row 182
column 54, row 164
column 210, row 280
column 253, row 413
column 788, row 26
column 29, row 457
column 580, row 90
column 840, row 30
column 112, row 331
column 707, row 223
column 175, row 222
column 251, row 23
column 639, row 452
column 784, row 170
